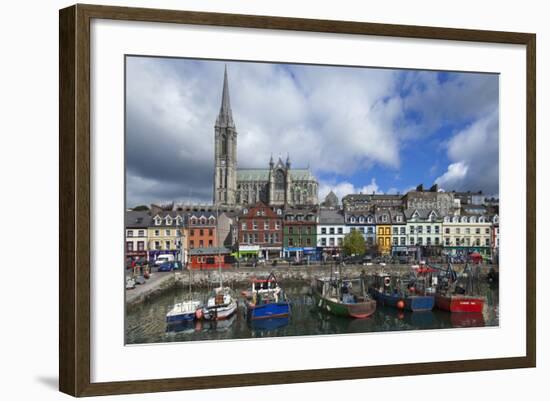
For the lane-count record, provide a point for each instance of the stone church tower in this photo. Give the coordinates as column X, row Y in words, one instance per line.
column 225, row 173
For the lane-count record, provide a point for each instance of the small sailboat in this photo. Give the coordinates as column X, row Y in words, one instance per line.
column 190, row 309
column 343, row 297
column 266, row 300
column 221, row 303
column 456, row 294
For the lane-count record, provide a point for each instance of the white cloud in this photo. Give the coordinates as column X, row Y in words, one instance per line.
column 474, row 156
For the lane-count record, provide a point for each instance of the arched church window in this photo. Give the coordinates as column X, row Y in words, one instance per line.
column 279, row 180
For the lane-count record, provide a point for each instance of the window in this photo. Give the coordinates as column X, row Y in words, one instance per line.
column 277, row 225
column 411, row 240
column 478, row 230
column 141, row 233
column 468, row 230
column 191, row 244
column 157, row 221
column 437, row 240
column 254, row 225
column 308, row 241
column 420, row 242
column 275, row 237
column 399, row 219
column 419, row 229
column 369, row 219
column 429, row 241
column 403, row 240
column 370, row 230
column 323, row 241
column 395, row 240
column 331, row 241
column 323, row 230
column 129, row 246
column 467, row 241
column 447, row 241
column 387, row 231
column 436, row 229
column 384, row 218
column 201, row 232
column 340, row 230
column 411, row 229
column 478, row 242
column 290, row 242
column 447, row 230
column 201, row 243
column 166, row 244
column 352, row 219
column 243, row 227
column 210, row 232
column 210, row 244
column 395, row 230
column 487, row 231
column 168, row 221
column 457, row 230
column 428, row 229
column 290, row 230
column 157, row 233
column 487, row 242
column 141, row 246
column 457, row 241
column 340, row 241
column 157, row 245
column 331, row 230
column 402, row 231
column 361, row 219
column 130, row 233
column 266, row 225
column 167, row 232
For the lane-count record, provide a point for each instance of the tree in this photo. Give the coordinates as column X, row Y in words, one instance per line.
column 354, row 243
column 140, row 208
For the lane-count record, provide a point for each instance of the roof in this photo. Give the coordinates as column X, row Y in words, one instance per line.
column 136, row 219
column 209, row 251
column 423, row 214
column 251, row 174
column 327, row 216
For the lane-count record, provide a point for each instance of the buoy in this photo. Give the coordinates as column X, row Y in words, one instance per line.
column 400, row 304
column 198, row 314
column 412, row 289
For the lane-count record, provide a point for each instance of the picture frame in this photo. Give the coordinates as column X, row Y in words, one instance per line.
column 75, row 201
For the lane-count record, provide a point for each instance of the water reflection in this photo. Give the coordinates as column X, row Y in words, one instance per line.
column 146, row 323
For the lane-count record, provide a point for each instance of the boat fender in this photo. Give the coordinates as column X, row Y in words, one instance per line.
column 198, row 314
column 387, row 281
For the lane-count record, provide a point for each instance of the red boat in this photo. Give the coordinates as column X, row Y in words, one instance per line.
column 459, row 303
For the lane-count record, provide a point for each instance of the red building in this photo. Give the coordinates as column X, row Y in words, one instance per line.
column 202, row 230
column 262, row 226
column 209, row 258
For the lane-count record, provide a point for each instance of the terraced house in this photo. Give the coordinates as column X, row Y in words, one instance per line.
column 424, row 231
column 300, row 234
column 331, row 231
column 166, row 235
column 260, row 231
column 136, row 223
column 363, row 220
column 383, row 230
column 467, row 233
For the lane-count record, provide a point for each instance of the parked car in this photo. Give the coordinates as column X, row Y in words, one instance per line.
column 163, row 259
column 166, row 267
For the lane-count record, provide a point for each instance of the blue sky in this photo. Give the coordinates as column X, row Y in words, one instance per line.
column 358, row 129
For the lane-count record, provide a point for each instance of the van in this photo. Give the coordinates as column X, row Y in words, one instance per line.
column 163, row 259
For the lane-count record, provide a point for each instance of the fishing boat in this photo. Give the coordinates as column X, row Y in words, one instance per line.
column 407, row 294
column 343, row 297
column 221, row 303
column 266, row 300
column 456, row 294
column 189, row 309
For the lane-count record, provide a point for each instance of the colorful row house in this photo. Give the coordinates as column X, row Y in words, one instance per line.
column 300, row 234
column 260, row 232
column 166, row 235
column 331, row 231
column 465, row 234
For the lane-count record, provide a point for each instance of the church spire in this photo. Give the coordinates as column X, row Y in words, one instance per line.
column 225, row 118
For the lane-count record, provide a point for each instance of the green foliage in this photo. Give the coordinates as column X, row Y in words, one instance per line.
column 140, row 208
column 354, row 243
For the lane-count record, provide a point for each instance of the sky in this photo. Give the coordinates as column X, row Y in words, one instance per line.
column 358, row 129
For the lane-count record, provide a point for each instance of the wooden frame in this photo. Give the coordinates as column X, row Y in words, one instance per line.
column 74, row 199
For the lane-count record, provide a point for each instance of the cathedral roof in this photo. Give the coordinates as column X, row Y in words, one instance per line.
column 263, row 175
column 225, row 118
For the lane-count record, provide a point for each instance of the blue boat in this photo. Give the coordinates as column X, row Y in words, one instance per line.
column 387, row 291
column 269, row 324
column 266, row 300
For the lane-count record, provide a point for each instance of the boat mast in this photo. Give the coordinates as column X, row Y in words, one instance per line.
column 218, row 245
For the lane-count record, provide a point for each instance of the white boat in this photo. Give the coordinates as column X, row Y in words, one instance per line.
column 184, row 312
column 220, row 304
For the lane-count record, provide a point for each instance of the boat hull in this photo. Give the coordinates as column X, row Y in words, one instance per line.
column 358, row 310
column 459, row 303
column 268, row 311
column 220, row 312
column 183, row 317
column 412, row 303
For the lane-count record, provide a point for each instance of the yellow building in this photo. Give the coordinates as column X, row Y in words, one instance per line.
column 383, row 238
column 166, row 235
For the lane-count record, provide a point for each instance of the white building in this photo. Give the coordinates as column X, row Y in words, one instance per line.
column 331, row 231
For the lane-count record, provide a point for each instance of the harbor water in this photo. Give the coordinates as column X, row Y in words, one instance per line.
column 145, row 323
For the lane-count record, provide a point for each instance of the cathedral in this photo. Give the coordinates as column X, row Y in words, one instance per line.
column 277, row 185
